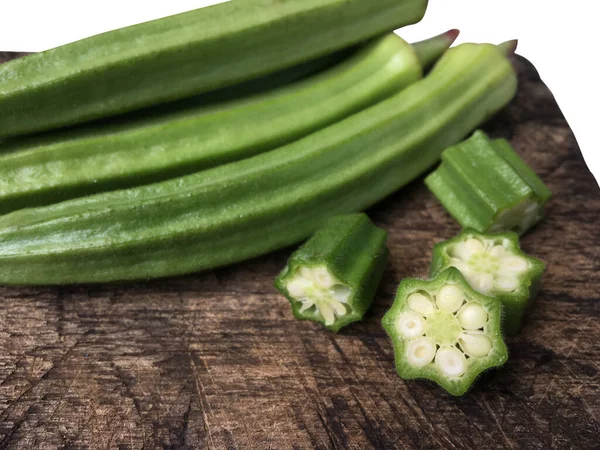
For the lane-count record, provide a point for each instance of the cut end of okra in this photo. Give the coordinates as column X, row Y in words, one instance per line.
column 445, row 331
column 316, row 287
column 493, row 264
column 486, row 186
column 333, row 277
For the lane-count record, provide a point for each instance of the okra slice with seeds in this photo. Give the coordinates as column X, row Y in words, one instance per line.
column 494, row 265
column 445, row 331
column 333, row 277
column 486, row 186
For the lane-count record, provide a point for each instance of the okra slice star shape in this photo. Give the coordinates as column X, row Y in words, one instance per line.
column 445, row 331
column 494, row 265
column 333, row 277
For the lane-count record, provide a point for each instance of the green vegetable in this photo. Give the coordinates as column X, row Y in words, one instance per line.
column 333, row 277
column 184, row 55
column 181, row 142
column 486, row 186
column 494, row 265
column 443, row 330
column 251, row 207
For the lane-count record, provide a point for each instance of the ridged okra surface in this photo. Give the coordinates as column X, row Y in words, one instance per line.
column 197, row 138
column 486, row 186
column 183, row 55
column 251, row 207
column 333, row 277
column 494, row 265
column 445, row 331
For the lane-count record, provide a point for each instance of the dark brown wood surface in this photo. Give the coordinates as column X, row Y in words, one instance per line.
column 216, row 360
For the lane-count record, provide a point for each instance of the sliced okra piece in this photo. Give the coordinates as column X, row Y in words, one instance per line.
column 486, row 186
column 445, row 331
column 333, row 277
column 494, row 265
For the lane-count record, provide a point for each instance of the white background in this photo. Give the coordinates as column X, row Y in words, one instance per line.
column 556, row 36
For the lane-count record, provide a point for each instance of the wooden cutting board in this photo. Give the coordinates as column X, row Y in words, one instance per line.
column 216, row 360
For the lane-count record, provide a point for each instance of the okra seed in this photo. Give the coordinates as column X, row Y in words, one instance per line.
column 327, row 312
column 514, row 264
column 323, row 277
column 507, row 283
column 483, row 282
column 449, row 298
column 420, row 304
column 297, row 287
column 341, row 292
column 472, row 316
column 451, row 361
column 465, row 250
column 306, row 304
column 498, row 251
column 475, row 344
column 338, row 307
column 307, row 273
column 411, row 325
column 420, row 352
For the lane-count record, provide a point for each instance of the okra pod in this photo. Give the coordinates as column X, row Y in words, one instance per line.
column 494, row 265
column 182, row 55
column 445, row 331
column 191, row 139
column 487, row 187
column 250, row 207
column 332, row 278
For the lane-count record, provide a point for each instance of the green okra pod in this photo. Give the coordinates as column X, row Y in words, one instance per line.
column 184, row 141
column 250, row 207
column 494, row 265
column 182, row 55
column 486, row 186
column 332, row 278
column 445, row 331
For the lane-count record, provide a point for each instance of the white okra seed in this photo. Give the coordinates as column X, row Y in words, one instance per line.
column 297, row 287
column 507, row 283
column 306, row 305
column 341, row 292
column 410, row 324
column 451, row 361
column 323, row 277
column 483, row 282
column 420, row 352
column 513, row 264
column 498, row 250
column 307, row 273
column 472, row 316
column 475, row 344
column 327, row 312
column 449, row 298
column 338, row 307
column 420, row 304
column 465, row 250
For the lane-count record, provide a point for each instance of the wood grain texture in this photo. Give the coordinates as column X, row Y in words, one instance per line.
column 216, row 360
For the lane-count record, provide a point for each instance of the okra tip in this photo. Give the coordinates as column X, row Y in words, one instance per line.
column 509, row 47
column 430, row 50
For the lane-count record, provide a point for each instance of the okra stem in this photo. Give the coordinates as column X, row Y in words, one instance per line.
column 430, row 50
column 509, row 47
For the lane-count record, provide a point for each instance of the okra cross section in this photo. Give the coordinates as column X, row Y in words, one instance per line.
column 486, row 186
column 445, row 331
column 333, row 277
column 495, row 265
